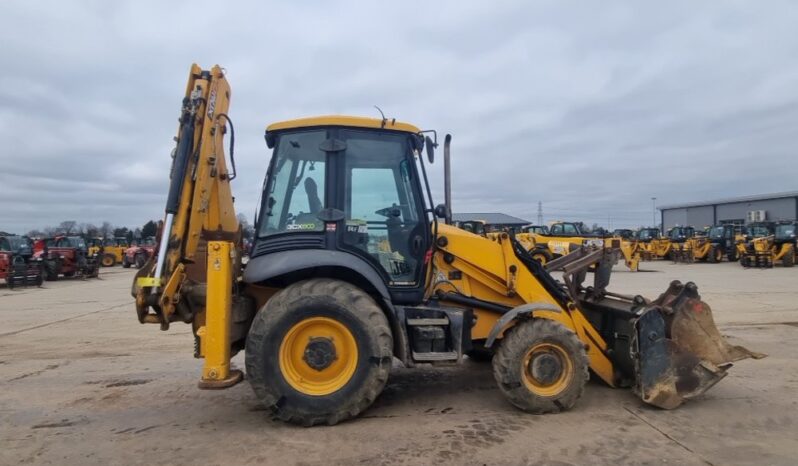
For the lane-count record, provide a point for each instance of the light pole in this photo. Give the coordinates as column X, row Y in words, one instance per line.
column 654, row 211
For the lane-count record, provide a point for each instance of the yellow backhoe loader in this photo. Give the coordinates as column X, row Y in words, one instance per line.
column 351, row 267
column 564, row 237
column 652, row 244
column 777, row 247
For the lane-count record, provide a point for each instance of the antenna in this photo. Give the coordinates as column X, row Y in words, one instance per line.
column 384, row 120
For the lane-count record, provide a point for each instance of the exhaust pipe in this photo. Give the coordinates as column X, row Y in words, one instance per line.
column 447, row 178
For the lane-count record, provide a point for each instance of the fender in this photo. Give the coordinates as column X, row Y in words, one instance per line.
column 512, row 314
column 262, row 268
column 272, row 265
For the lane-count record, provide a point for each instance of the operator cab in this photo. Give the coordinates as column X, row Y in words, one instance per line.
column 647, row 234
column 565, row 229
column 785, row 232
column 758, row 230
column 680, row 234
column 346, row 189
column 536, row 229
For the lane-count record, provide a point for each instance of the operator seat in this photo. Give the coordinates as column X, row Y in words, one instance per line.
column 312, row 191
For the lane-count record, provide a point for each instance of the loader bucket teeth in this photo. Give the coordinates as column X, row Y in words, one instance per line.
column 680, row 353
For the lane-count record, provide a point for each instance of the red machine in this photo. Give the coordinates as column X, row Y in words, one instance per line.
column 66, row 255
column 139, row 253
column 17, row 264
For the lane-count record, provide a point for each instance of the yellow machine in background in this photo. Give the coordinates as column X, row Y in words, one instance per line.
column 652, row 244
column 350, row 270
column 766, row 251
column 110, row 250
column 564, row 237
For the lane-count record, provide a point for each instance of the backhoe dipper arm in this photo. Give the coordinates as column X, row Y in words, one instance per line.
column 199, row 207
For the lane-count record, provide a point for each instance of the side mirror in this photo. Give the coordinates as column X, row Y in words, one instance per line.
column 430, row 148
column 440, row 211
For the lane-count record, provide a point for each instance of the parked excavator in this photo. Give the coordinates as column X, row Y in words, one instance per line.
column 352, row 267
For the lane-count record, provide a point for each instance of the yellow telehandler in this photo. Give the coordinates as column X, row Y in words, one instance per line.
column 352, row 267
column 561, row 238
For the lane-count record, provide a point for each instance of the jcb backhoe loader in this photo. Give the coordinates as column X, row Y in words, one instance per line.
column 653, row 245
column 351, row 267
column 766, row 251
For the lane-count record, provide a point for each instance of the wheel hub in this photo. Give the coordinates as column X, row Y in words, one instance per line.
column 319, row 353
column 545, row 368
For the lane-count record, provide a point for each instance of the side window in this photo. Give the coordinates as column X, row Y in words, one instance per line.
column 4, row 245
column 296, row 192
column 556, row 229
column 569, row 229
column 380, row 204
column 376, row 188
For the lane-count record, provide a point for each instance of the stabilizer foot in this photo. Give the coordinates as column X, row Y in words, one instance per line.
column 213, row 384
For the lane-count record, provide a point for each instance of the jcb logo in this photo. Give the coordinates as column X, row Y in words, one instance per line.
column 211, row 103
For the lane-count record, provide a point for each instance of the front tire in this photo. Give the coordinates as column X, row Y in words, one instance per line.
column 541, row 255
column 789, row 259
column 319, row 352
column 108, row 260
column 140, row 260
column 541, row 366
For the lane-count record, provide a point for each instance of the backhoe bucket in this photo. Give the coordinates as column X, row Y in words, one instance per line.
column 680, row 352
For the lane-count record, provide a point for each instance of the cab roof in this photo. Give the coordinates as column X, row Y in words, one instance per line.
column 344, row 120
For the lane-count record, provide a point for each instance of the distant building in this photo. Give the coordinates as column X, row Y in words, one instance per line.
column 737, row 210
column 496, row 220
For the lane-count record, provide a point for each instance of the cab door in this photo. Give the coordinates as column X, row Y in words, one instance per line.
column 385, row 221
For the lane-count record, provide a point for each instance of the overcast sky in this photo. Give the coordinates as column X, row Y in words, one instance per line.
column 590, row 107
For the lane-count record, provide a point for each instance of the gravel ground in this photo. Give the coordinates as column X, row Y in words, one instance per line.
column 85, row 383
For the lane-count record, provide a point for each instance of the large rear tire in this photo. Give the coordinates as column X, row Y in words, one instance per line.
column 140, row 259
column 319, row 352
column 789, row 259
column 51, row 269
column 715, row 255
column 541, row 366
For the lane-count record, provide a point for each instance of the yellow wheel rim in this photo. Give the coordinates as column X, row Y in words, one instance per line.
column 540, row 258
column 318, row 356
column 547, row 369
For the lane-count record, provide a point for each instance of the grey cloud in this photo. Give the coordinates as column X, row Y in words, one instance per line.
column 591, row 109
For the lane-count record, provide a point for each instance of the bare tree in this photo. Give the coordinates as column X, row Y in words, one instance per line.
column 106, row 229
column 67, row 227
column 87, row 229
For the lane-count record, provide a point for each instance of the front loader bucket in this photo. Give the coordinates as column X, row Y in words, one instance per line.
column 680, row 353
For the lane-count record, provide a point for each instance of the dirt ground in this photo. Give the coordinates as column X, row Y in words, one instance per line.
column 84, row 383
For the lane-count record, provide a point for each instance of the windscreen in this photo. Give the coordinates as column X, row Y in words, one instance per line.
column 785, row 231
column 295, row 189
column 716, row 233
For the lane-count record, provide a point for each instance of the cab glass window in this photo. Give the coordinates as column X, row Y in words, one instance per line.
column 295, row 194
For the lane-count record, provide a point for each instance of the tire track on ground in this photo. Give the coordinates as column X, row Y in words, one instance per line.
column 15, row 332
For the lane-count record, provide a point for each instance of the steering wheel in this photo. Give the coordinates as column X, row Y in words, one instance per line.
column 388, row 212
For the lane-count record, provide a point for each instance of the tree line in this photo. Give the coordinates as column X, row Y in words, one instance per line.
column 107, row 230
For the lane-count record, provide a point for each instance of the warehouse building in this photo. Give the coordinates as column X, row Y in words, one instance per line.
column 738, row 210
column 496, row 220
